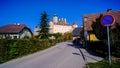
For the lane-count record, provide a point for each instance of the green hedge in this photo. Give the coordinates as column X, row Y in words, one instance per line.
column 13, row 48
column 101, row 48
column 98, row 46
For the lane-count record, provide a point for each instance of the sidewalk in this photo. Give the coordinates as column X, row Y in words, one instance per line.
column 89, row 56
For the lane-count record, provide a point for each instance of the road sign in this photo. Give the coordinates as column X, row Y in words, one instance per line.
column 107, row 20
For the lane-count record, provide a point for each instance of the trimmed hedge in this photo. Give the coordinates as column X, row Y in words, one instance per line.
column 101, row 48
column 13, row 48
column 98, row 46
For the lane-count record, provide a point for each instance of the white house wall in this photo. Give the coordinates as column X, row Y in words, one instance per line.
column 25, row 33
column 2, row 36
column 13, row 36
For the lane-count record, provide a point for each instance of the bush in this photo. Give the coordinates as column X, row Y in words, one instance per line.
column 98, row 47
column 13, row 48
column 101, row 48
column 116, row 48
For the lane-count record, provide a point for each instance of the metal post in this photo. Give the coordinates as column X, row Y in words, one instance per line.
column 86, row 34
column 109, row 45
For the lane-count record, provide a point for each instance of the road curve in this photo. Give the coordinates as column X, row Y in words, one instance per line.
column 63, row 55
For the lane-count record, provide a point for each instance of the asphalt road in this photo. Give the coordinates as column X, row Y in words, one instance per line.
column 63, row 55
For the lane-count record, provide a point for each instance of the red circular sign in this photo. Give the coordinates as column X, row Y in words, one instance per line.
column 107, row 20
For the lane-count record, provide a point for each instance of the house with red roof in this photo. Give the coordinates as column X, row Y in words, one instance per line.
column 88, row 20
column 15, row 31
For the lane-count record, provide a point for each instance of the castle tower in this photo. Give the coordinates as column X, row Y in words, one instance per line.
column 55, row 18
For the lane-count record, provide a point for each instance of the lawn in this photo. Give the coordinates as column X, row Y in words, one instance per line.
column 104, row 64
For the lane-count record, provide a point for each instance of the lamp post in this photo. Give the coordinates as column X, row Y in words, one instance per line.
column 85, row 32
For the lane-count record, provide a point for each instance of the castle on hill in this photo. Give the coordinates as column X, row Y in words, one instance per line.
column 57, row 25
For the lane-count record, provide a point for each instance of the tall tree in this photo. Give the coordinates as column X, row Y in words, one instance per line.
column 99, row 30
column 44, row 30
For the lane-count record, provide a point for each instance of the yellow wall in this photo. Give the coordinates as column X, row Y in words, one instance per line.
column 92, row 37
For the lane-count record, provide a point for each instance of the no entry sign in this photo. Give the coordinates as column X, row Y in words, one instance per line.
column 107, row 20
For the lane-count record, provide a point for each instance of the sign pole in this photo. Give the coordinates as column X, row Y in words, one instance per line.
column 109, row 45
column 108, row 20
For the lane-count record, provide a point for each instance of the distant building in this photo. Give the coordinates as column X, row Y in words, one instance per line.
column 88, row 20
column 15, row 31
column 57, row 25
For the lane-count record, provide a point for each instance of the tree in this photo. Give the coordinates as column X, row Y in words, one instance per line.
column 115, row 33
column 57, row 35
column 99, row 30
column 44, row 30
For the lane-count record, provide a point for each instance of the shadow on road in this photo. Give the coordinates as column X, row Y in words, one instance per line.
column 82, row 53
column 78, row 47
column 74, row 45
column 75, row 53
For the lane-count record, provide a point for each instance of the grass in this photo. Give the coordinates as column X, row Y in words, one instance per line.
column 104, row 64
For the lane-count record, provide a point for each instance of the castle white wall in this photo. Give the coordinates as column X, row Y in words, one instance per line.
column 36, row 31
column 55, row 27
column 61, row 28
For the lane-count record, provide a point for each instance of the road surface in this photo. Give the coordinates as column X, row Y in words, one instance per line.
column 63, row 55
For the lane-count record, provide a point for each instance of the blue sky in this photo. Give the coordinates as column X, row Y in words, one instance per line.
column 29, row 11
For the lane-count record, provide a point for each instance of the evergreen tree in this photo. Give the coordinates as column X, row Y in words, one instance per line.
column 44, row 30
column 99, row 30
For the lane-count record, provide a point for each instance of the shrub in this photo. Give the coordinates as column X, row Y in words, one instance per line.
column 98, row 46
column 13, row 48
column 101, row 48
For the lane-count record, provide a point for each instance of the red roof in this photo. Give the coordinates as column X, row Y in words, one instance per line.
column 92, row 18
column 12, row 28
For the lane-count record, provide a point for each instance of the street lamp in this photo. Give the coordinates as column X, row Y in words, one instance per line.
column 85, row 32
